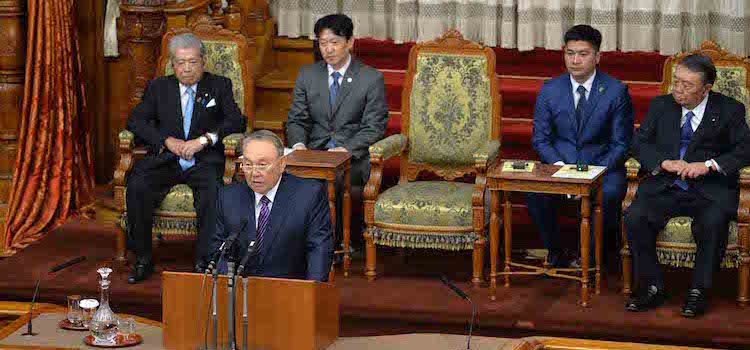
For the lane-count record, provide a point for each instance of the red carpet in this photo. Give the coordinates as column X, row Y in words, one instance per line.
column 407, row 297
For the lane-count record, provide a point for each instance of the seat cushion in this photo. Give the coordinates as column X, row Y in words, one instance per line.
column 425, row 214
column 675, row 245
column 175, row 218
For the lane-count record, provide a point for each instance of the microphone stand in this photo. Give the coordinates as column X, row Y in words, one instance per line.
column 462, row 295
column 232, row 341
column 244, row 313
column 471, row 325
column 29, row 331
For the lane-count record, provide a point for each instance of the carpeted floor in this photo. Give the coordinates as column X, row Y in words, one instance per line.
column 406, row 298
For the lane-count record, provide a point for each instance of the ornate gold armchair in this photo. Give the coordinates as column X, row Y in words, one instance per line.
column 226, row 51
column 451, row 128
column 675, row 245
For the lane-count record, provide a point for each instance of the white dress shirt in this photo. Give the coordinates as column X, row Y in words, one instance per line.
column 271, row 195
column 588, row 84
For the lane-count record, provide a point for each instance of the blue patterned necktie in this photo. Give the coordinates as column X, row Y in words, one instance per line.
column 262, row 220
column 332, row 94
column 686, row 133
column 581, row 107
column 187, row 116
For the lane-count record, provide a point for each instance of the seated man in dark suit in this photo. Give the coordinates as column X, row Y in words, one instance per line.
column 583, row 116
column 181, row 119
column 692, row 144
column 287, row 217
column 339, row 105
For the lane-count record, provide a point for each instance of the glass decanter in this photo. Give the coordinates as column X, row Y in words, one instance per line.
column 104, row 324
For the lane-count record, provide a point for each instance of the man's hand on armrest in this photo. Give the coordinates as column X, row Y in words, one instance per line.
column 674, row 166
column 175, row 146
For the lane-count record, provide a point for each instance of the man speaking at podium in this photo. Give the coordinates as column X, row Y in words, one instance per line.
column 287, row 217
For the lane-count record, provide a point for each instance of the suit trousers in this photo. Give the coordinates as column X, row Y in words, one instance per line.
column 648, row 215
column 148, row 184
column 543, row 211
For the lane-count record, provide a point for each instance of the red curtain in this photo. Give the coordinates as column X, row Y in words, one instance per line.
column 54, row 174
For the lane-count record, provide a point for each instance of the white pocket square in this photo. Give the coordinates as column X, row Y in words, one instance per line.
column 211, row 103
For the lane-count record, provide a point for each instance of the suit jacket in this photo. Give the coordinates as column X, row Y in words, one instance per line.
column 356, row 121
column 298, row 242
column 722, row 135
column 159, row 115
column 606, row 132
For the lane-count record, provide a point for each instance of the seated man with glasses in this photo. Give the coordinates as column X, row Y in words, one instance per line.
column 181, row 120
column 287, row 218
column 692, row 144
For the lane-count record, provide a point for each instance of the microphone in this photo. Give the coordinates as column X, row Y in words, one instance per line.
column 463, row 295
column 66, row 264
column 248, row 254
column 69, row 263
column 227, row 244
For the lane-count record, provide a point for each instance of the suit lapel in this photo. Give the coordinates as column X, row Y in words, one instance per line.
column 174, row 94
column 350, row 78
column 321, row 81
column 279, row 210
column 251, row 234
column 673, row 118
column 710, row 117
column 597, row 88
column 198, row 105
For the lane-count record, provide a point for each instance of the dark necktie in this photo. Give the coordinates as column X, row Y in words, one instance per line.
column 581, row 107
column 686, row 133
column 262, row 220
column 334, row 89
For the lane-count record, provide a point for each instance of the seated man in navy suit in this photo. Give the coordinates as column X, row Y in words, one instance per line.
column 287, row 217
column 583, row 116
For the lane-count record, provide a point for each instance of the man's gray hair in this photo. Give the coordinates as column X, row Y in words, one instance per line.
column 265, row 135
column 186, row 41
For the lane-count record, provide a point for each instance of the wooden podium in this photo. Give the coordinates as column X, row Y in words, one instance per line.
column 282, row 313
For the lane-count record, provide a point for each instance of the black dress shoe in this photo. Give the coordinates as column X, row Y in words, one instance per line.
column 649, row 298
column 695, row 304
column 558, row 259
column 199, row 268
column 140, row 272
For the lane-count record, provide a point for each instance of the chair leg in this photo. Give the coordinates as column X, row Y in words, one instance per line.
column 477, row 260
column 120, row 254
column 627, row 264
column 370, row 257
column 744, row 270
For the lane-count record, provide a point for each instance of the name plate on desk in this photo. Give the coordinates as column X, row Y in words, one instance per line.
column 569, row 171
column 527, row 167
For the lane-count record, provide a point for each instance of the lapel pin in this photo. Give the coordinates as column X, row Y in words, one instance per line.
column 348, row 80
column 601, row 89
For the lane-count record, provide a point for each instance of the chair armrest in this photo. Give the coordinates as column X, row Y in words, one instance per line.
column 633, row 168
column 388, row 147
column 232, row 151
column 484, row 156
column 126, row 145
column 743, row 210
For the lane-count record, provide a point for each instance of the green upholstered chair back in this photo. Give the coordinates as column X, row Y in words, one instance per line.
column 226, row 52
column 450, row 107
column 731, row 73
column 223, row 58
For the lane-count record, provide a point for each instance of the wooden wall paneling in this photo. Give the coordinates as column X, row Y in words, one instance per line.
column 12, row 70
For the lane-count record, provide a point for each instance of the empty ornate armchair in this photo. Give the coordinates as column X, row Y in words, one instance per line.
column 675, row 245
column 451, row 128
column 225, row 55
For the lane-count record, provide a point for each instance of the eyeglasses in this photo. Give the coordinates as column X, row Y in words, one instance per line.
column 683, row 85
column 261, row 168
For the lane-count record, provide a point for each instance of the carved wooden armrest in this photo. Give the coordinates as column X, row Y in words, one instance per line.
column 379, row 152
column 232, row 151
column 633, row 168
column 484, row 156
column 743, row 210
column 126, row 146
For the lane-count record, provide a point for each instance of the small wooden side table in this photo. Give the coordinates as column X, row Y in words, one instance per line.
column 326, row 165
column 540, row 180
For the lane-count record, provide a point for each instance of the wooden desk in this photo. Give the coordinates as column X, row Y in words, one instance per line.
column 540, row 180
column 326, row 165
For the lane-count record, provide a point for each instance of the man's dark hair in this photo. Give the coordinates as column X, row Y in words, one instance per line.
column 340, row 24
column 584, row 32
column 702, row 64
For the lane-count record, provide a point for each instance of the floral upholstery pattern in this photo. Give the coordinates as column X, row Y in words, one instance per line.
column 450, row 109
column 730, row 81
column 425, row 214
column 223, row 58
column 175, row 216
column 675, row 245
column 388, row 147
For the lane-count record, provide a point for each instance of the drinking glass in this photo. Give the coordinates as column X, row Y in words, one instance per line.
column 75, row 314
